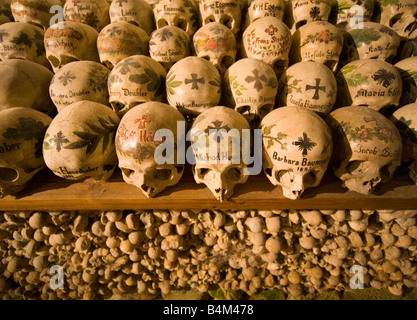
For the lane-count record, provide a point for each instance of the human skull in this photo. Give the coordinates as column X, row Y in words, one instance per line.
column 345, row 13
column 297, row 146
column 169, row 45
column 5, row 12
column 405, row 119
column 251, row 88
column 218, row 162
column 369, row 82
column 308, row 11
column 367, row 147
column 309, row 85
column 120, row 40
column 136, row 12
column 226, row 12
column 408, row 71
column 193, row 85
column 216, row 43
column 21, row 135
column 20, row 40
column 77, row 81
column 135, row 147
column 178, row 13
column 261, row 8
column 373, row 41
column 401, row 16
column 94, row 13
column 36, row 12
column 79, row 142
column 135, row 80
column 73, row 42
column 268, row 39
column 32, row 79
column 318, row 41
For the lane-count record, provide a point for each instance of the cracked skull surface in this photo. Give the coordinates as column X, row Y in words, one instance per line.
column 297, row 146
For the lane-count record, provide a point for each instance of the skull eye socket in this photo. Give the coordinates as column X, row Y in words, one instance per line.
column 355, row 167
column 162, row 174
column 310, row 177
column 209, row 19
column 8, row 174
column 330, row 64
column 205, row 173
column 127, row 172
column 279, row 66
column 265, row 109
column 227, row 21
column 385, row 172
column 54, row 61
column 243, row 110
column 300, row 23
column 182, row 24
column 226, row 62
column 162, row 23
column 234, row 174
column 284, row 176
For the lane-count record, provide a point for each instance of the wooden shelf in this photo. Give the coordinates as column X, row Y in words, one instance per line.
column 48, row 192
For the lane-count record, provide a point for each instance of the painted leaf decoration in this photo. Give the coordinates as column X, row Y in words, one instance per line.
column 364, row 36
column 175, row 84
column 357, row 80
column 139, row 78
column 270, row 144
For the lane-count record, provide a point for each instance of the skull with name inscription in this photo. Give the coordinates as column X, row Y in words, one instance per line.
column 37, row 12
column 226, row 12
column 401, row 16
column 94, row 13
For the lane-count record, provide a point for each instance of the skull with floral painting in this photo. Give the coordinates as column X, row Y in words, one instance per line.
column 21, row 135
column 297, row 146
column 226, row 12
column 79, row 142
column 304, row 12
column 370, row 82
column 309, row 85
column 94, row 13
column 70, row 41
column 367, row 148
column 37, row 12
column 169, row 45
column 401, row 16
column 216, row 43
column 250, row 88
column 120, row 40
column 408, row 71
column 260, row 8
column 135, row 80
column 140, row 150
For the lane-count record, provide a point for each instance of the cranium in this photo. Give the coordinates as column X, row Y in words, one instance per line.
column 405, row 119
column 179, row 13
column 345, row 12
column 94, row 13
column 135, row 80
column 308, row 11
column 79, row 142
column 32, row 79
column 310, row 85
column 34, row 11
column 193, row 85
column 297, row 146
column 367, row 147
column 226, row 12
column 5, row 12
column 75, row 41
column 369, row 82
column 137, row 12
column 260, row 8
column 218, row 150
column 120, row 40
column 408, row 72
column 135, row 147
column 251, row 88
column 216, row 43
column 169, row 45
column 268, row 39
column 77, row 81
column 21, row 135
column 21, row 40
column 318, row 41
column 400, row 15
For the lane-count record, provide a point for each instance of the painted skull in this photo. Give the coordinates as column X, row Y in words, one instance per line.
column 345, row 12
column 21, row 136
column 32, row 79
column 370, row 82
column 268, row 39
column 94, row 13
column 36, row 12
column 77, row 81
column 136, row 147
column 120, row 40
column 136, row 12
column 297, row 146
column 401, row 16
column 251, row 88
column 193, row 85
column 309, row 85
column 79, row 142
column 75, row 41
column 21, row 40
column 308, row 11
column 169, row 45
column 216, row 43
column 135, row 80
column 318, row 41
column 5, row 12
column 367, row 147
column 226, row 12
column 408, row 71
column 217, row 147
column 405, row 119
column 261, row 8
column 178, row 13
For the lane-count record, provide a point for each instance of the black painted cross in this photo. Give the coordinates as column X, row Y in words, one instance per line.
column 121, row 2
column 2, row 35
column 194, row 81
column 304, row 143
column 217, row 126
column 317, row 88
